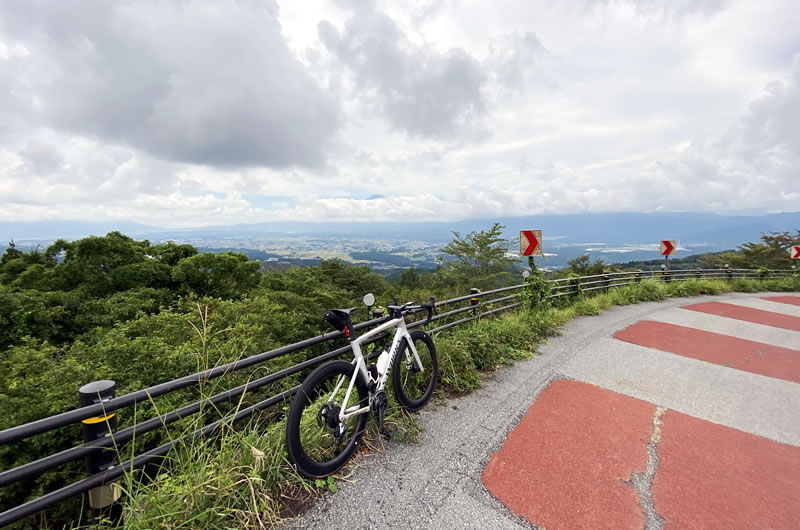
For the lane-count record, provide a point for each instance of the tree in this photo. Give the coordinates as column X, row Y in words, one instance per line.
column 409, row 278
column 170, row 254
column 12, row 252
column 479, row 254
column 226, row 275
column 718, row 260
column 15, row 263
column 582, row 267
column 92, row 264
column 772, row 252
column 356, row 280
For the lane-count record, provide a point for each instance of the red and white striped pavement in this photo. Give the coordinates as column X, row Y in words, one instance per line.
column 689, row 418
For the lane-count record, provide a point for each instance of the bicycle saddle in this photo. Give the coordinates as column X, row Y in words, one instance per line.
column 340, row 320
column 343, row 312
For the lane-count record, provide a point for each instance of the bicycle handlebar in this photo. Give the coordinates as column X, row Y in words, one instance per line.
column 430, row 306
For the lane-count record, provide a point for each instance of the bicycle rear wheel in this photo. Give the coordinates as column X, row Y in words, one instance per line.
column 318, row 444
column 412, row 386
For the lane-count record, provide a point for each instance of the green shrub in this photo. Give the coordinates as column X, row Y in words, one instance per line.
column 457, row 372
column 651, row 291
column 628, row 294
column 745, row 286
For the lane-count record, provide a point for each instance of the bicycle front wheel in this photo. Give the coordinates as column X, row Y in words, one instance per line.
column 318, row 444
column 412, row 386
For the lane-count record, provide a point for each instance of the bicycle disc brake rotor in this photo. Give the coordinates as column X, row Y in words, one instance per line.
column 412, row 366
column 329, row 415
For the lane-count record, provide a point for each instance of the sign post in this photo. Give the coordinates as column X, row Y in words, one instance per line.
column 795, row 252
column 668, row 247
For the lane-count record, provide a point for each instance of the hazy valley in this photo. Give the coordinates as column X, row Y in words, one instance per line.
column 386, row 247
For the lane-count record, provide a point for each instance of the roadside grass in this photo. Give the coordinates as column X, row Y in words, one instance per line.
column 653, row 291
column 241, row 477
column 225, row 481
column 483, row 345
column 238, row 478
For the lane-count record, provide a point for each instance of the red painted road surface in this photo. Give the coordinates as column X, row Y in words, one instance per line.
column 563, row 465
column 758, row 316
column 746, row 355
column 793, row 300
column 712, row 476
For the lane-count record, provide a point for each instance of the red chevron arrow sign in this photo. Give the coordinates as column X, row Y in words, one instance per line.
column 530, row 243
column 668, row 247
column 795, row 252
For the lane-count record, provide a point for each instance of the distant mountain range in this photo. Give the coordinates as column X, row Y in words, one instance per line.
column 612, row 236
column 612, row 228
column 50, row 230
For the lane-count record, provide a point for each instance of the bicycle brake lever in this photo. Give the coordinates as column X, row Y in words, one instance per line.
column 431, row 309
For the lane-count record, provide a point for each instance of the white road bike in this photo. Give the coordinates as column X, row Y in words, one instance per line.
column 329, row 413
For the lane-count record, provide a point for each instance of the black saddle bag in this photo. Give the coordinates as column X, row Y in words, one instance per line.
column 336, row 320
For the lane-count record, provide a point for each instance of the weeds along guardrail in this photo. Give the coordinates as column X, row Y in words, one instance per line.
column 102, row 440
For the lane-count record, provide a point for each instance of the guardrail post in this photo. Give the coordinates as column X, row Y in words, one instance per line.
column 102, row 499
column 728, row 272
column 607, row 279
column 474, row 301
column 665, row 276
column 698, row 273
column 638, row 276
column 576, row 285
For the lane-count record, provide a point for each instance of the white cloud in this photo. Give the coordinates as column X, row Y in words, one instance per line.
column 197, row 82
column 417, row 89
column 174, row 113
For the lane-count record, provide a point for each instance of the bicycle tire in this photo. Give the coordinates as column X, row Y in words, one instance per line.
column 311, row 444
column 413, row 389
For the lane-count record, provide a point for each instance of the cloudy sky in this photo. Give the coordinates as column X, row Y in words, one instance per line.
column 189, row 113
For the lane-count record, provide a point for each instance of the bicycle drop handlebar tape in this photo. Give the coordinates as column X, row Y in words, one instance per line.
column 430, row 306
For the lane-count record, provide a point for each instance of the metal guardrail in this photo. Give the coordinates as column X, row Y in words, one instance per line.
column 105, row 440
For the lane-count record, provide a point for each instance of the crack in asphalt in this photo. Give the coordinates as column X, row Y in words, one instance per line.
column 759, row 353
column 642, row 482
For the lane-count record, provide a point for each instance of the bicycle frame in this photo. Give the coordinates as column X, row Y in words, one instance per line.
column 360, row 369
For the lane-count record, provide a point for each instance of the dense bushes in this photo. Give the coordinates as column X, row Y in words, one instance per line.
column 114, row 308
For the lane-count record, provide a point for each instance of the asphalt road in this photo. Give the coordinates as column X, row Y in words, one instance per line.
column 437, row 483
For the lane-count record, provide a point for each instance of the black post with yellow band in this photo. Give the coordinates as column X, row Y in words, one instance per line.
column 102, row 499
